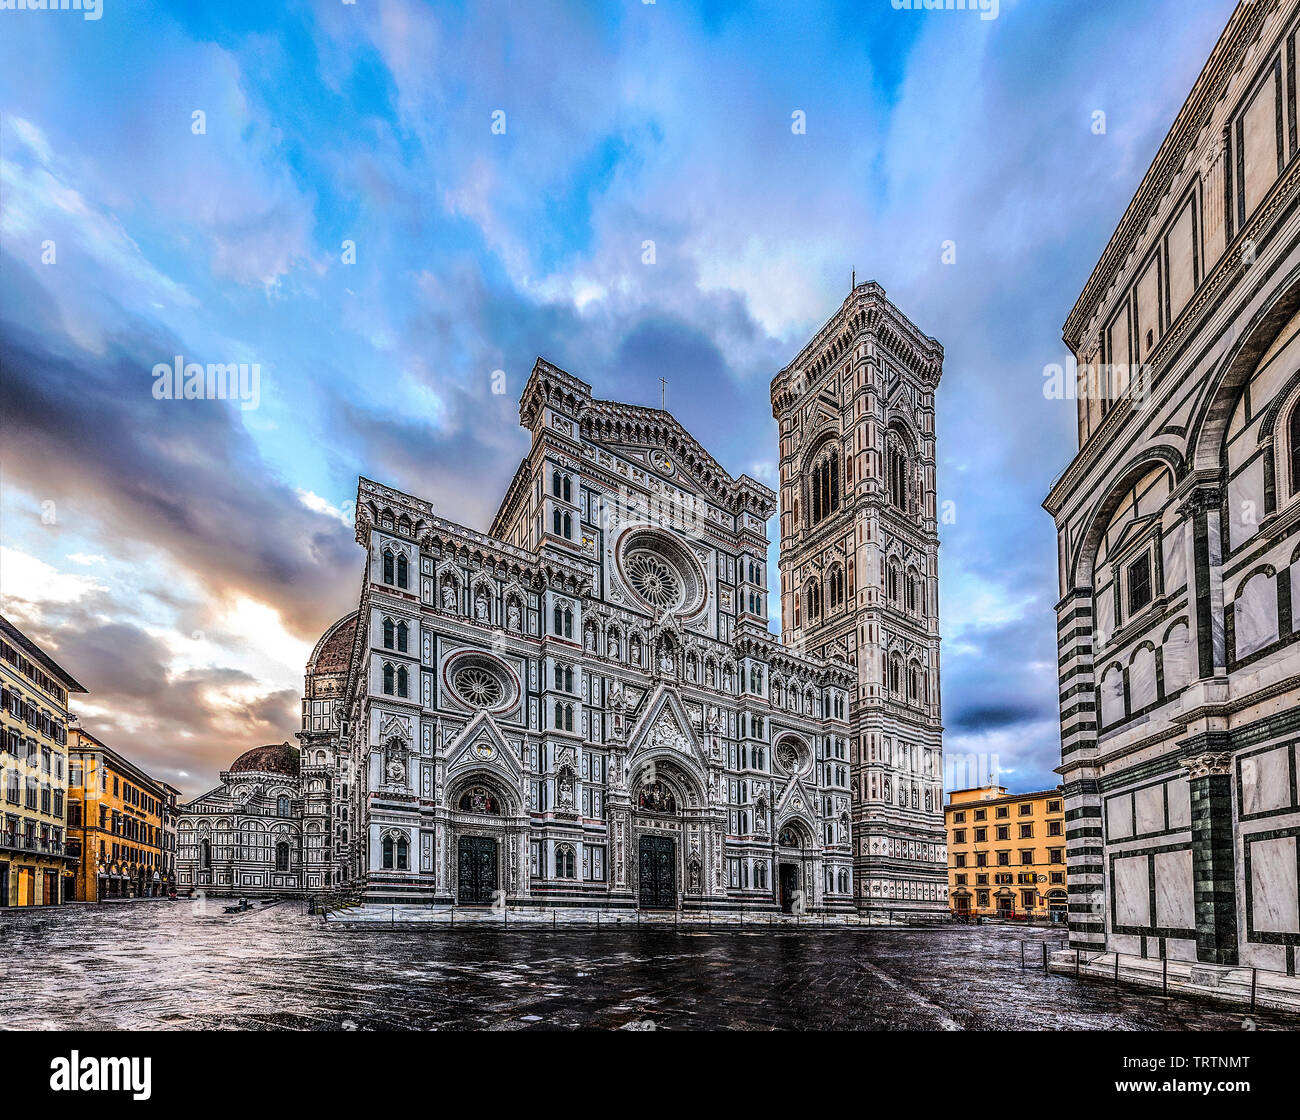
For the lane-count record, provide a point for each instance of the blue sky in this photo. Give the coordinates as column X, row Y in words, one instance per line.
column 181, row 557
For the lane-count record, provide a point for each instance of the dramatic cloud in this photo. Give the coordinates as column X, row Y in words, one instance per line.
column 320, row 191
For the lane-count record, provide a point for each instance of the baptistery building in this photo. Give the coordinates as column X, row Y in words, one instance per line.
column 1178, row 525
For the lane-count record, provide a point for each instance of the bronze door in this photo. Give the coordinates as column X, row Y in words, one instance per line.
column 658, row 873
column 477, row 879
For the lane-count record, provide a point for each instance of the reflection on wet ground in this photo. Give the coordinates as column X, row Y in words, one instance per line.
column 159, row 965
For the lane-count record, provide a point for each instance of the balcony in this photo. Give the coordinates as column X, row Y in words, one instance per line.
column 14, row 842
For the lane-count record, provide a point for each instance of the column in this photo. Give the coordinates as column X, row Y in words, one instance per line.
column 1214, row 873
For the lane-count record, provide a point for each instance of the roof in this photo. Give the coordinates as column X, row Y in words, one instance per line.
column 274, row 758
column 32, row 650
column 334, row 650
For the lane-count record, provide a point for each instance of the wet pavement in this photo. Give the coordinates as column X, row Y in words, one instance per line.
column 159, row 965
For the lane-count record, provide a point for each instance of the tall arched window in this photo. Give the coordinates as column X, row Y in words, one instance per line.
column 1293, row 434
column 388, row 633
column 403, row 636
column 388, row 853
column 837, row 586
column 401, row 853
column 824, row 496
column 388, row 566
column 402, row 681
column 388, row 679
column 891, row 582
column 896, row 469
column 205, row 854
column 813, row 599
column 403, row 575
column 282, row 806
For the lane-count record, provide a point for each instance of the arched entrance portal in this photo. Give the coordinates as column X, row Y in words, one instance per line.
column 667, row 836
column 480, row 809
column 792, row 884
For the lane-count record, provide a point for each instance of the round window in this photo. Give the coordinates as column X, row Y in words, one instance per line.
column 661, row 572
column 479, row 681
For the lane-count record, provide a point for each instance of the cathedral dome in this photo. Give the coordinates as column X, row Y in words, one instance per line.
column 274, row 758
column 334, row 649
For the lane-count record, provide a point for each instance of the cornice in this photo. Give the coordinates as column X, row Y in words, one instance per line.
column 1197, row 112
column 866, row 310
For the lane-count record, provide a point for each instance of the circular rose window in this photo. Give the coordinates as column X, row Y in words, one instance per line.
column 479, row 681
column 478, row 686
column 661, row 572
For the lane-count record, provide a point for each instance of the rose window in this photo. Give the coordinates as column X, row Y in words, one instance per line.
column 661, row 571
column 480, row 681
column 478, row 686
column 653, row 579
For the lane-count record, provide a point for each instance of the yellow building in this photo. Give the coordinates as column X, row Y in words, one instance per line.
column 35, row 868
column 118, row 823
column 1006, row 853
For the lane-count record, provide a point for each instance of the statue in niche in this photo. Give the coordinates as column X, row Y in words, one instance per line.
column 448, row 596
column 693, row 876
column 665, row 662
column 512, row 615
column 480, row 607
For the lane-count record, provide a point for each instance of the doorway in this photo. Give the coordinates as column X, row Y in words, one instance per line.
column 658, row 873
column 789, row 886
column 477, row 870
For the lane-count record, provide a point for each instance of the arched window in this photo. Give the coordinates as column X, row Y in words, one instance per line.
column 813, row 599
column 1293, row 434
column 388, row 679
column 913, row 683
column 282, row 806
column 556, row 523
column 837, row 586
column 895, row 674
column 388, row 565
column 402, row 570
column 401, row 853
column 282, row 856
column 403, row 636
column 402, row 681
column 824, row 483
column 205, row 854
column 388, row 853
column 892, row 580
column 896, row 470
column 565, row 864
column 388, row 633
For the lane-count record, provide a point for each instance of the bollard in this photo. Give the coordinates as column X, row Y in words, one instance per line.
column 1076, row 963
column 1254, row 976
column 1044, row 956
column 1117, row 968
column 1022, row 955
column 1164, row 976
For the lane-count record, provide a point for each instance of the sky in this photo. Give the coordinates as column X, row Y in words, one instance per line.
column 379, row 204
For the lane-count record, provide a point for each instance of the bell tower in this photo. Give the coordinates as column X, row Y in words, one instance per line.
column 859, row 576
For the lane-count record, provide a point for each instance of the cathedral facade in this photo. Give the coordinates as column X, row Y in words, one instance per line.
column 584, row 706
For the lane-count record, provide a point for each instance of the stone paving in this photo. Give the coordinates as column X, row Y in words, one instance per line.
column 160, row 965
